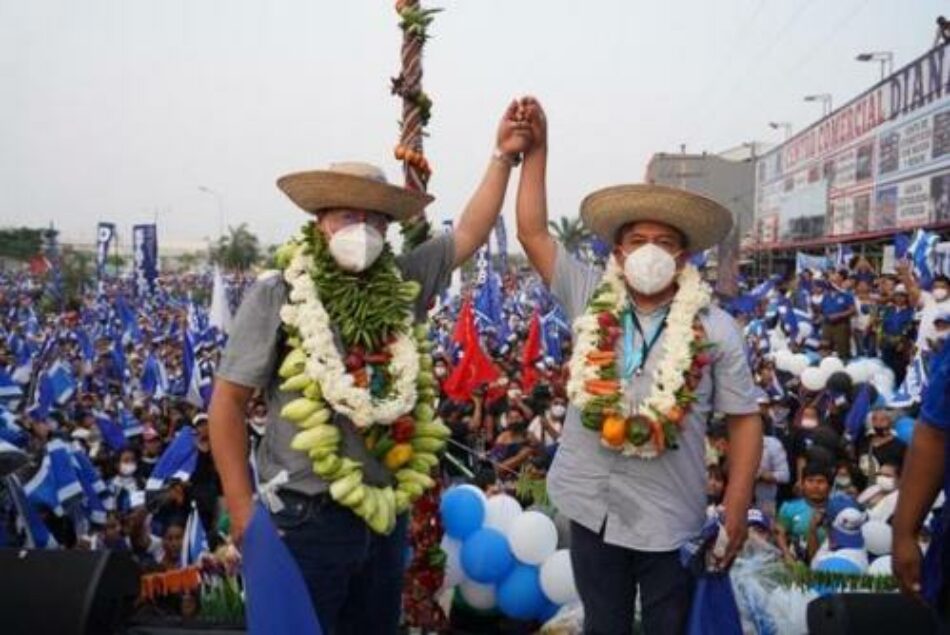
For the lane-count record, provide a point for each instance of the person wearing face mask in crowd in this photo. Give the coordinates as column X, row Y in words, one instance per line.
column 353, row 569
column 545, row 429
column 257, row 424
column 929, row 304
column 125, row 483
column 880, row 497
column 151, row 452
column 630, row 514
column 881, row 446
column 897, row 327
column 814, row 442
column 773, row 469
column 836, row 308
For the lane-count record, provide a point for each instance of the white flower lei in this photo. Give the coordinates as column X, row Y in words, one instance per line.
column 305, row 312
column 692, row 296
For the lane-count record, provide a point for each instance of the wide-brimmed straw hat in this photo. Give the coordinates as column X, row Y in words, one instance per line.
column 352, row 185
column 702, row 221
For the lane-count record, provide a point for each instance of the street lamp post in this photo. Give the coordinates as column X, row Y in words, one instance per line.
column 220, row 201
column 886, row 58
column 784, row 125
column 824, row 98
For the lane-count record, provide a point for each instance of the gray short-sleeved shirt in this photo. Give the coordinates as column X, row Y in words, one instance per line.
column 254, row 352
column 649, row 505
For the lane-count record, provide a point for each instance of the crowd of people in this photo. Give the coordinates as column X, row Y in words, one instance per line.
column 112, row 381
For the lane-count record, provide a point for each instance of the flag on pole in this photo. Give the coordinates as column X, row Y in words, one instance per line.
column 177, row 462
column 531, row 355
column 475, row 369
column 195, row 539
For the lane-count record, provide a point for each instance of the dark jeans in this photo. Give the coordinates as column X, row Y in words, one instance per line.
column 354, row 575
column 608, row 578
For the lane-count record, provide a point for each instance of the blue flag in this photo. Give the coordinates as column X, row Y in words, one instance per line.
column 277, row 600
column 195, row 539
column 112, row 434
column 854, row 422
column 177, row 462
column 37, row 534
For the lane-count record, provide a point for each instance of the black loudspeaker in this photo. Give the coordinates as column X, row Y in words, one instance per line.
column 869, row 614
column 65, row 592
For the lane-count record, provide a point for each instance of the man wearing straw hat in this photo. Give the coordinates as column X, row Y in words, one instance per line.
column 333, row 344
column 653, row 358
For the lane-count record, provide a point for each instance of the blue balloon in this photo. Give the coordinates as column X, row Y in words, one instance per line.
column 486, row 556
column 463, row 513
column 904, row 429
column 520, row 595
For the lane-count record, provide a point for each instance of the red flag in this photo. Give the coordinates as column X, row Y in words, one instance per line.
column 531, row 355
column 475, row 369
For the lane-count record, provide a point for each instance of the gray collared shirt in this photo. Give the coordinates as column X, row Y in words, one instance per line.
column 649, row 505
column 253, row 354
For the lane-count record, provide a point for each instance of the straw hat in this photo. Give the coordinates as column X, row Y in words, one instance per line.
column 702, row 221
column 354, row 185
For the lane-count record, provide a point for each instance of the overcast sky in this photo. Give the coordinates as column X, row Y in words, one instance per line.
column 118, row 110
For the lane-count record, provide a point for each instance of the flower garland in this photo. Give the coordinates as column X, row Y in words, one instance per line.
column 648, row 429
column 388, row 394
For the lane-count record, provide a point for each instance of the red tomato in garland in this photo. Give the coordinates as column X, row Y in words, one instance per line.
column 403, row 429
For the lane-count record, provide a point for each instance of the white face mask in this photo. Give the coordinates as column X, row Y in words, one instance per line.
column 809, row 423
column 558, row 411
column 886, row 483
column 356, row 247
column 649, row 269
column 127, row 469
column 940, row 294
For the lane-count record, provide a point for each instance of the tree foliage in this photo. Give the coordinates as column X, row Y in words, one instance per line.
column 21, row 243
column 570, row 232
column 239, row 250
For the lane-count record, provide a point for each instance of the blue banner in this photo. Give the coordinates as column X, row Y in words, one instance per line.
column 104, row 236
column 501, row 238
column 145, row 254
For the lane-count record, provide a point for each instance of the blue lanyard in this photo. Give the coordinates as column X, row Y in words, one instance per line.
column 635, row 357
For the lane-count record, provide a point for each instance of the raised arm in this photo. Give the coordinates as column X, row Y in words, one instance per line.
column 532, row 205
column 478, row 219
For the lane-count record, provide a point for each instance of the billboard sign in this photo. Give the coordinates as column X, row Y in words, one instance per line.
column 881, row 162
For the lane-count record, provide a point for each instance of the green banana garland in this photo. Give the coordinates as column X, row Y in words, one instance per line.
column 408, row 447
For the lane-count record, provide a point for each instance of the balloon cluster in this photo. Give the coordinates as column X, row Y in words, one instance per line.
column 814, row 373
column 502, row 557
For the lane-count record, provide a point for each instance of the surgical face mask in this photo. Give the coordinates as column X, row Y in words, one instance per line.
column 440, row 371
column 843, row 481
column 558, row 411
column 808, row 423
column 649, row 269
column 127, row 469
column 886, row 483
column 356, row 247
column 514, row 393
column 940, row 294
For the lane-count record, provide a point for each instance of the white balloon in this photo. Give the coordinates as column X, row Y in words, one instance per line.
column 784, row 360
column 799, row 363
column 454, row 573
column 533, row 537
column 813, row 379
column 501, row 511
column 478, row 596
column 881, row 566
column 830, row 365
column 859, row 371
column 877, row 537
column 883, row 381
column 557, row 578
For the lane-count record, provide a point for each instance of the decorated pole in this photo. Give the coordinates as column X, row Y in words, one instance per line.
column 416, row 110
column 425, row 569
